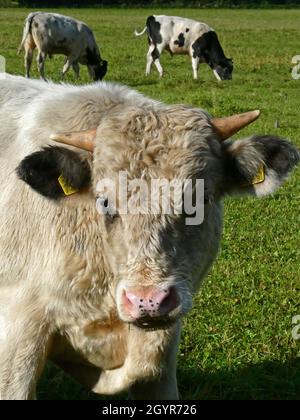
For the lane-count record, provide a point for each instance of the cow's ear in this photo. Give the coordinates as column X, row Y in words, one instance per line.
column 257, row 165
column 55, row 172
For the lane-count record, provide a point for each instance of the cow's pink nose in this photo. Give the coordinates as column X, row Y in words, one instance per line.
column 153, row 302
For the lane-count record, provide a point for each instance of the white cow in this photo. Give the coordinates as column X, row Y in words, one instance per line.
column 101, row 292
column 51, row 34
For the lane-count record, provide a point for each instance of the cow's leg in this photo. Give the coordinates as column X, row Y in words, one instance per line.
column 195, row 66
column 112, row 382
column 156, row 55
column 148, row 372
column 76, row 69
column 108, row 382
column 41, row 63
column 149, row 59
column 69, row 63
column 28, row 61
column 23, row 354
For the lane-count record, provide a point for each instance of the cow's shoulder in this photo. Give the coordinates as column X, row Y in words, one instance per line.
column 204, row 42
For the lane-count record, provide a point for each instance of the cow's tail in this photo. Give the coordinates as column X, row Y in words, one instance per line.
column 136, row 33
column 27, row 30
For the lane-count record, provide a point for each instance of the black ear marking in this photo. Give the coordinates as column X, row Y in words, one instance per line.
column 276, row 153
column 42, row 169
column 279, row 154
column 257, row 165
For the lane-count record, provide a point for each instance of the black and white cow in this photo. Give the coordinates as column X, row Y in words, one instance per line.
column 185, row 36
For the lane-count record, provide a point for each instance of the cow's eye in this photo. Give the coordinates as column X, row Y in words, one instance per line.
column 102, row 204
column 105, row 208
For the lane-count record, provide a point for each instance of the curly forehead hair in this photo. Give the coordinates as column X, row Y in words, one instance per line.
column 173, row 142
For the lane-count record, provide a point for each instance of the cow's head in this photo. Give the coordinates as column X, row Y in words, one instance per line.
column 208, row 46
column 97, row 67
column 158, row 259
column 223, row 69
column 98, row 71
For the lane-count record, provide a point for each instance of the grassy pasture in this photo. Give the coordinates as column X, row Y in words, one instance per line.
column 237, row 341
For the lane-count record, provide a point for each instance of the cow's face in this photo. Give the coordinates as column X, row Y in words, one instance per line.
column 223, row 70
column 153, row 253
column 97, row 67
column 156, row 258
column 98, row 71
column 159, row 259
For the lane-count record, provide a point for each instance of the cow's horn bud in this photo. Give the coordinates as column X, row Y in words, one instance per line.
column 82, row 139
column 228, row 126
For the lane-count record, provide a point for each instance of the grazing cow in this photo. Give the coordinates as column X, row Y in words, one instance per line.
column 52, row 33
column 99, row 291
column 185, row 36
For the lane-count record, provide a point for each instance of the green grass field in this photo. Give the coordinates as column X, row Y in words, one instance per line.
column 237, row 341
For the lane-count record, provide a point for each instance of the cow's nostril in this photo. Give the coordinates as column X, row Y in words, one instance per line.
column 170, row 302
column 161, row 296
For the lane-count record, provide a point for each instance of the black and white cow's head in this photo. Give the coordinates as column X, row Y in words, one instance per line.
column 208, row 48
column 224, row 69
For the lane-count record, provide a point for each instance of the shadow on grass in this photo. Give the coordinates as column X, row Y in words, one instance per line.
column 263, row 381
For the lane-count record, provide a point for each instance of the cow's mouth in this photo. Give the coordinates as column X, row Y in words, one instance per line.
column 148, row 323
column 158, row 322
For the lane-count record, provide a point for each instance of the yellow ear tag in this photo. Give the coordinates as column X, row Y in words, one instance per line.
column 67, row 189
column 260, row 177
